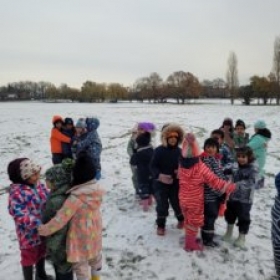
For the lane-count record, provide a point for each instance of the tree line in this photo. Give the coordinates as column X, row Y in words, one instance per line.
column 180, row 86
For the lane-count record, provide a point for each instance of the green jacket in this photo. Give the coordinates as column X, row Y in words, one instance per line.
column 56, row 243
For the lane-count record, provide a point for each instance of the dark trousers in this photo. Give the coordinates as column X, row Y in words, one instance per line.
column 211, row 212
column 165, row 194
column 241, row 212
column 276, row 253
column 57, row 158
column 145, row 190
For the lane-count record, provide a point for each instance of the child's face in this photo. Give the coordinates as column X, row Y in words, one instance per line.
column 218, row 138
column 211, row 150
column 33, row 180
column 79, row 130
column 69, row 126
column 242, row 159
column 58, row 125
column 172, row 141
column 240, row 130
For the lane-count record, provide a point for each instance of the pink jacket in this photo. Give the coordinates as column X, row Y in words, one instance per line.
column 25, row 206
column 82, row 207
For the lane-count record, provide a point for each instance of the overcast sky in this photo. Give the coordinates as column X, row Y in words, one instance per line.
column 71, row 41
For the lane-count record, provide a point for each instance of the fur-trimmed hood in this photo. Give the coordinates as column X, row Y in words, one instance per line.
column 172, row 127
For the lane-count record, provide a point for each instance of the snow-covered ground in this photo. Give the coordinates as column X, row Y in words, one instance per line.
column 132, row 250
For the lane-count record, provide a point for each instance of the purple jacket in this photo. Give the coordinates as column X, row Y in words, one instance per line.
column 25, row 206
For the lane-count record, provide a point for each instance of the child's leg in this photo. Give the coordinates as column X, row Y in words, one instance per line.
column 96, row 265
column 211, row 210
column 276, row 253
column 174, row 201
column 161, row 196
column 81, row 270
column 231, row 213
column 27, row 272
column 244, row 217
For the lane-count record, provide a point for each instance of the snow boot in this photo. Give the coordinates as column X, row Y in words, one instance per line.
column 95, row 277
column 228, row 235
column 207, row 238
column 150, row 200
column 41, row 272
column 180, row 225
column 145, row 204
column 240, row 241
column 160, row 231
column 27, row 272
column 192, row 244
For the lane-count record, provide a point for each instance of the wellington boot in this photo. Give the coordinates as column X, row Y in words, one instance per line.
column 27, row 272
column 240, row 241
column 192, row 244
column 180, row 225
column 145, row 204
column 228, row 235
column 151, row 200
column 95, row 277
column 160, row 231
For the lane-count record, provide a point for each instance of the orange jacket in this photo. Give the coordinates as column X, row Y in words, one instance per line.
column 56, row 139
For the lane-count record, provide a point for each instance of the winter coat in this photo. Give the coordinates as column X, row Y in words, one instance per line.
column 82, row 207
column 165, row 159
column 245, row 178
column 91, row 143
column 193, row 175
column 57, row 137
column 56, row 243
column 240, row 141
column 275, row 233
column 258, row 143
column 66, row 147
column 227, row 157
column 131, row 147
column 213, row 163
column 26, row 204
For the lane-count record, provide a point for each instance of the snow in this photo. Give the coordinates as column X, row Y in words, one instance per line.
column 131, row 249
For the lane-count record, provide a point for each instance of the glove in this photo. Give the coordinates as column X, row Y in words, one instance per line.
column 228, row 171
column 165, row 179
column 98, row 175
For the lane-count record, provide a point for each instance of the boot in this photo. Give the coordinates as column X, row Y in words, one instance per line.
column 207, row 238
column 64, row 276
column 240, row 241
column 191, row 244
column 160, row 231
column 41, row 272
column 95, row 277
column 145, row 204
column 228, row 235
column 180, row 225
column 150, row 200
column 27, row 272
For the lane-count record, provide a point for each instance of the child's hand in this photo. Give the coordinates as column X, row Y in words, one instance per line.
column 190, row 137
column 43, row 230
column 165, row 179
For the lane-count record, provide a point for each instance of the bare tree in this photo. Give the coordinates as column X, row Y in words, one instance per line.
column 232, row 76
column 276, row 66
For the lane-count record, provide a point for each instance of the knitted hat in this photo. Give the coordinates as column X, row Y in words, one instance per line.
column 68, row 121
column 260, row 124
column 81, row 123
column 147, row 126
column 21, row 169
column 143, row 139
column 190, row 147
column 240, row 123
column 60, row 174
column 56, row 119
column 277, row 183
column 84, row 169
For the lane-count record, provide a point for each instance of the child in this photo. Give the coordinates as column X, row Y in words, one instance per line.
column 56, row 139
column 258, row 143
column 240, row 202
column 80, row 135
column 141, row 161
column 92, row 144
column 58, row 179
column 227, row 157
column 68, row 129
column 275, row 227
column 213, row 200
column 193, row 174
column 164, row 168
column 27, row 198
column 240, row 137
column 82, row 207
column 131, row 149
column 227, row 128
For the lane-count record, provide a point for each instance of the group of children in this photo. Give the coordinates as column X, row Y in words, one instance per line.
column 62, row 219
column 200, row 186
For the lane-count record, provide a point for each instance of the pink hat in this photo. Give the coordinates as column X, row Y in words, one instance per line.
column 190, row 147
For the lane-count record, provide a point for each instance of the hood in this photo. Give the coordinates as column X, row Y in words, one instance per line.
column 188, row 162
column 92, row 123
column 88, row 192
column 172, row 127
